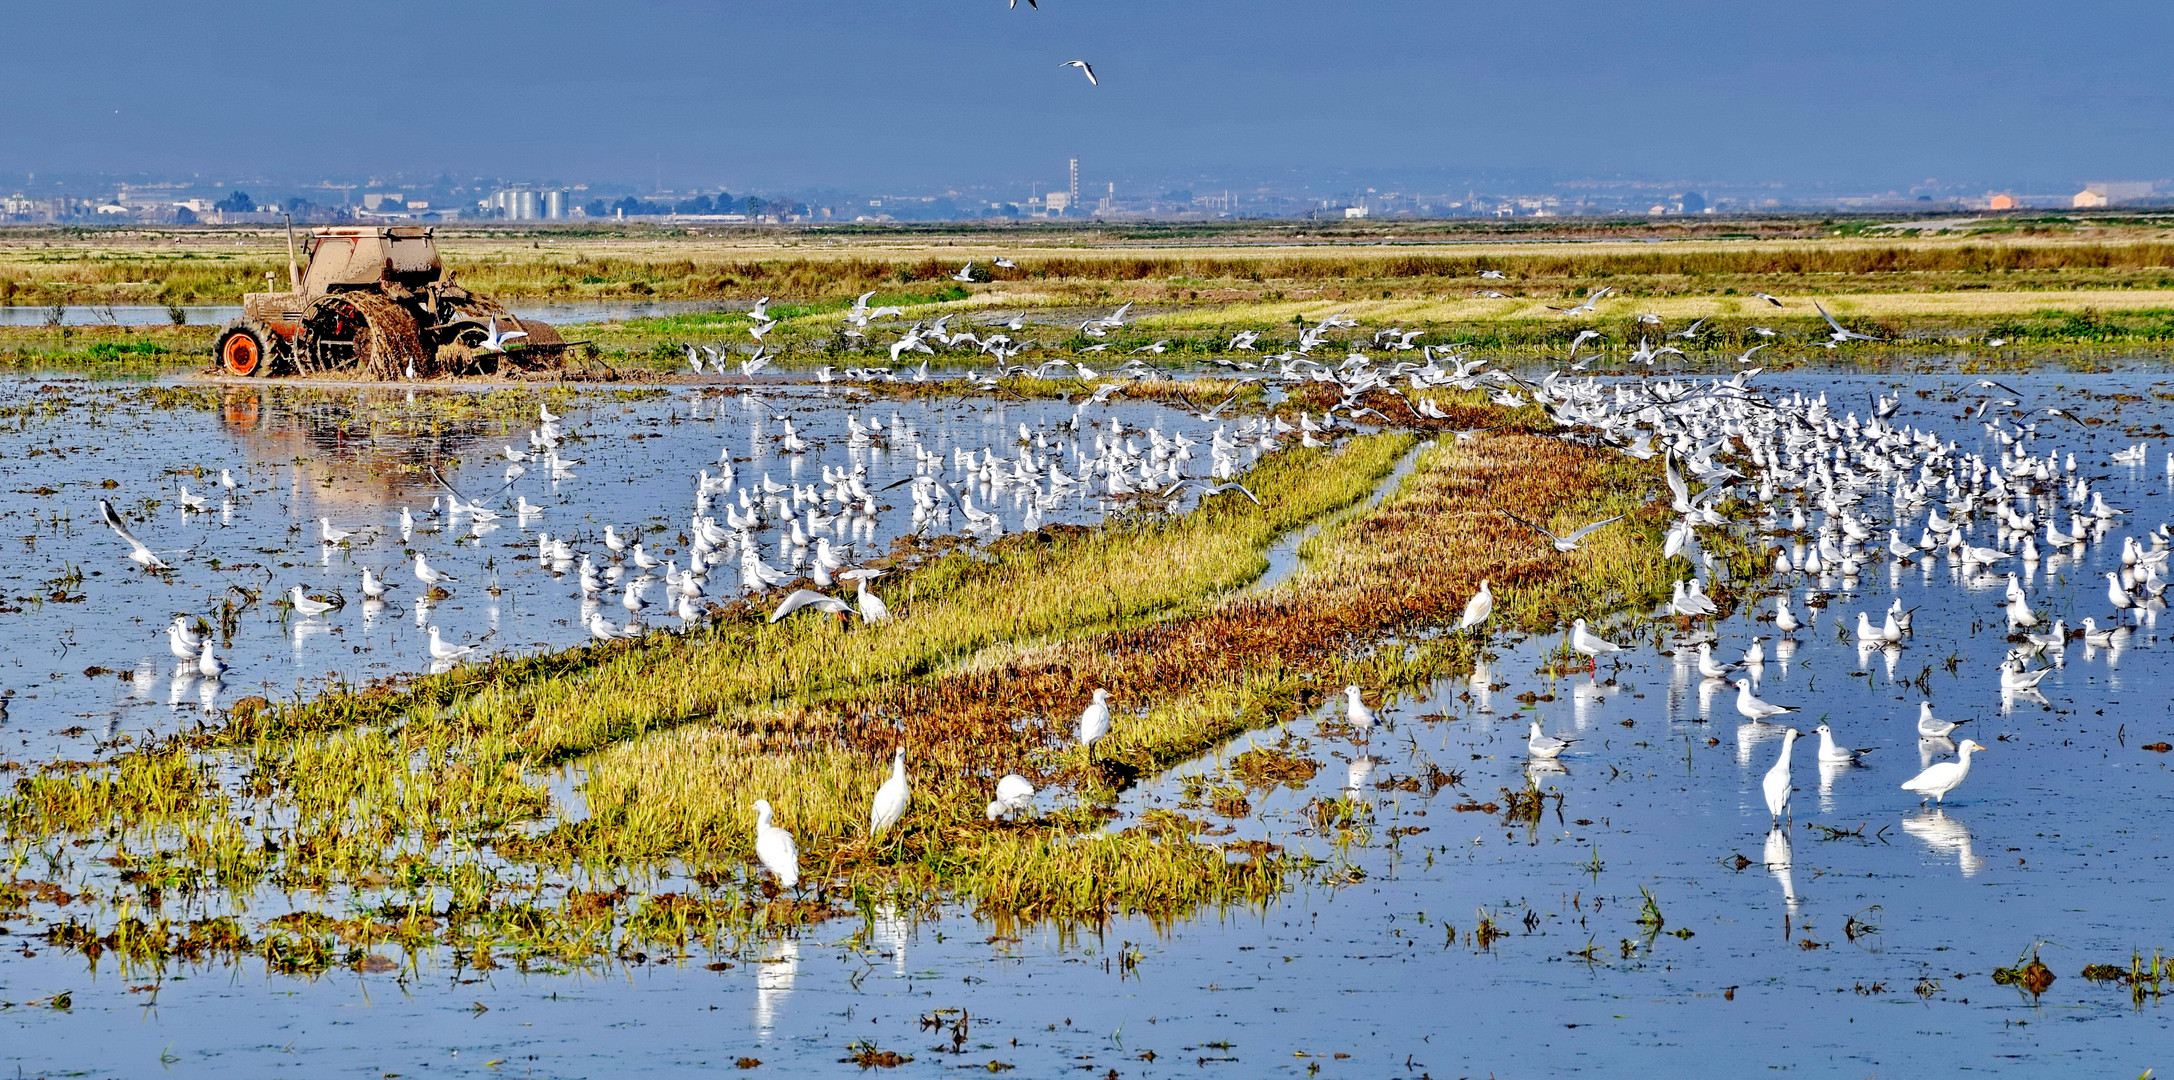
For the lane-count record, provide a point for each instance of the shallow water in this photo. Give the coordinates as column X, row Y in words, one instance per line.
column 358, row 458
column 1864, row 950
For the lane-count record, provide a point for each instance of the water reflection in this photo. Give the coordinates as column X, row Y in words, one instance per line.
column 1780, row 858
column 1945, row 835
column 774, row 976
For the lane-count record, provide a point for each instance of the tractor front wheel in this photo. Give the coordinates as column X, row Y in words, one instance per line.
column 246, row 348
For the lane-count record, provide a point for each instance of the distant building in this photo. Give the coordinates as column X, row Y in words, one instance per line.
column 2002, row 201
column 1057, row 202
column 1656, row 210
column 2115, row 193
column 1351, row 212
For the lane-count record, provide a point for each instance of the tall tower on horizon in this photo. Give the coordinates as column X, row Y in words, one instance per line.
column 1074, row 188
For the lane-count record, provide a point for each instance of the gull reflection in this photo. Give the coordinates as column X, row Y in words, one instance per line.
column 773, row 984
column 1359, row 781
column 1535, row 768
column 1586, row 699
column 178, row 691
column 1707, row 690
column 1933, row 748
column 305, row 630
column 1944, row 835
column 2009, row 698
column 1829, row 772
column 1750, row 734
column 1483, row 682
column 1779, row 862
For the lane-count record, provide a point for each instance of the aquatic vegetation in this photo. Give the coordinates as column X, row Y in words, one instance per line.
column 431, row 789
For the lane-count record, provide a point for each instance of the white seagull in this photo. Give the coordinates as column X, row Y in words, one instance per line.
column 137, row 551
column 1754, row 709
column 1544, row 746
column 1084, row 67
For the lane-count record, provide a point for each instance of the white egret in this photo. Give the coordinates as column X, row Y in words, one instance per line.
column 775, row 847
column 1013, row 794
column 891, row 798
column 1477, row 609
column 1094, row 720
column 1776, row 784
column 1942, row 777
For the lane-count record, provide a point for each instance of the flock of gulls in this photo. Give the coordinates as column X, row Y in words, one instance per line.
column 1831, row 495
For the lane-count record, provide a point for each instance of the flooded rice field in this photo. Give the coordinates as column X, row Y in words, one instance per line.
column 359, row 465
column 1629, row 905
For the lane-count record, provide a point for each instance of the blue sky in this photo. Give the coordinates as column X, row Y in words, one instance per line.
column 888, row 95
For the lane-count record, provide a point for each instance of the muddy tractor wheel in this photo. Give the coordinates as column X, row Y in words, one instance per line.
column 246, row 348
column 362, row 333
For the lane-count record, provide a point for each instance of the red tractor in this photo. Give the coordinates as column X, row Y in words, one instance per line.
column 376, row 302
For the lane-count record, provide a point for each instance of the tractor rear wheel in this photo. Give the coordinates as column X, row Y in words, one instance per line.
column 246, row 348
column 361, row 331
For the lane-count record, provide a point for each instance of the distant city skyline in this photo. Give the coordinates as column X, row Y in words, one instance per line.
column 678, row 94
column 1065, row 196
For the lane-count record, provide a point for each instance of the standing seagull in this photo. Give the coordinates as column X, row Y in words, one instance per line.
column 1080, row 64
column 1355, row 708
column 1589, row 643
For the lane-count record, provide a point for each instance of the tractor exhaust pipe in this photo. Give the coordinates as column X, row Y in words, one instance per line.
column 294, row 268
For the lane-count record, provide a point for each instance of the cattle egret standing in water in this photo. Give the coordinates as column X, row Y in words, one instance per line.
column 1776, row 784
column 1939, row 779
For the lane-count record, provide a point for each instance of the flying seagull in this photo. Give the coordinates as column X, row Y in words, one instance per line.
column 1768, row 297
column 1841, row 335
column 1030, row 3
column 1564, row 544
column 1584, row 307
column 1080, row 64
column 137, row 550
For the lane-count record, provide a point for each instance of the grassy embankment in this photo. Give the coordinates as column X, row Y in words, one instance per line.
column 422, row 814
